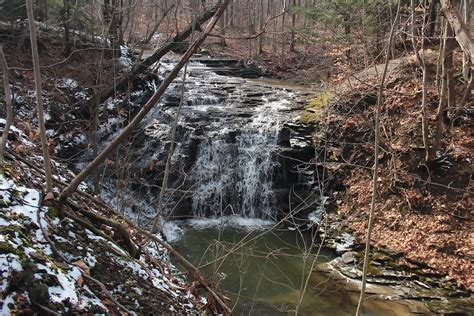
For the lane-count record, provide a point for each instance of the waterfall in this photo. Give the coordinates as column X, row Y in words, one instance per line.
column 236, row 177
column 226, row 158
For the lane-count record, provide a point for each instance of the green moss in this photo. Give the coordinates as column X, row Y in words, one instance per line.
column 315, row 107
column 380, row 257
column 52, row 212
column 14, row 231
column 319, row 102
column 374, row 270
column 4, row 203
column 6, row 248
column 6, row 168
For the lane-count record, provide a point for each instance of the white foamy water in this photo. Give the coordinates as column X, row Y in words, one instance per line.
column 236, row 177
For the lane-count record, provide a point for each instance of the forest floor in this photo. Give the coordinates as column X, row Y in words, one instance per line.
column 426, row 213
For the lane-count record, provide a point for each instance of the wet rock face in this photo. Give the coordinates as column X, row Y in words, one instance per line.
column 237, row 150
column 231, row 67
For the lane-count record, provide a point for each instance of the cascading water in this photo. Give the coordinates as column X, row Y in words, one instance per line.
column 239, row 172
column 225, row 159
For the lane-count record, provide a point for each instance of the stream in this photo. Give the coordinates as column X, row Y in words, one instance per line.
column 241, row 163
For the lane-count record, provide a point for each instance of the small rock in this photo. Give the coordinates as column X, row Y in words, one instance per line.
column 348, row 257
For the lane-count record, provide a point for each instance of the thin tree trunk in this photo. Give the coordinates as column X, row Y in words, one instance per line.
column 164, row 184
column 144, row 111
column 467, row 93
column 422, row 62
column 39, row 97
column 283, row 42
column 293, row 27
column 222, row 30
column 466, row 65
column 66, row 21
column 430, row 19
column 446, row 94
column 8, row 104
column 376, row 163
column 260, row 27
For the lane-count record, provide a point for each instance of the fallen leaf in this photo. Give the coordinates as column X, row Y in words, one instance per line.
column 49, row 196
column 83, row 266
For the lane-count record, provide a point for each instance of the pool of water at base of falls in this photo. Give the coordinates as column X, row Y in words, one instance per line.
column 262, row 268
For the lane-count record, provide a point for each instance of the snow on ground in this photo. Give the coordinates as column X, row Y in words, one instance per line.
column 23, row 244
column 46, row 262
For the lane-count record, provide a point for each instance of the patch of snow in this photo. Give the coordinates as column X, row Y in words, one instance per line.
column 67, row 284
column 316, row 216
column 4, row 309
column 86, row 302
column 344, row 242
column 172, row 231
column 68, row 83
column 90, row 259
column 8, row 262
column 125, row 62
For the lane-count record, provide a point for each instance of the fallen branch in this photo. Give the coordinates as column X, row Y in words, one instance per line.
column 106, row 292
column 190, row 267
column 119, row 228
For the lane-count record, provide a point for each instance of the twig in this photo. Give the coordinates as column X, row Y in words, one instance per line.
column 8, row 105
column 45, row 309
column 376, row 163
column 106, row 292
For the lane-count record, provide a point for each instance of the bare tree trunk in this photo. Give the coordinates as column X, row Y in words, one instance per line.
column 260, row 27
column 66, row 21
column 39, row 97
column 293, row 26
column 231, row 13
column 8, row 105
column 283, row 42
column 430, row 19
column 274, row 29
column 421, row 61
column 446, row 94
column 222, row 30
column 376, row 163
column 466, row 65
column 144, row 111
column 467, row 93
